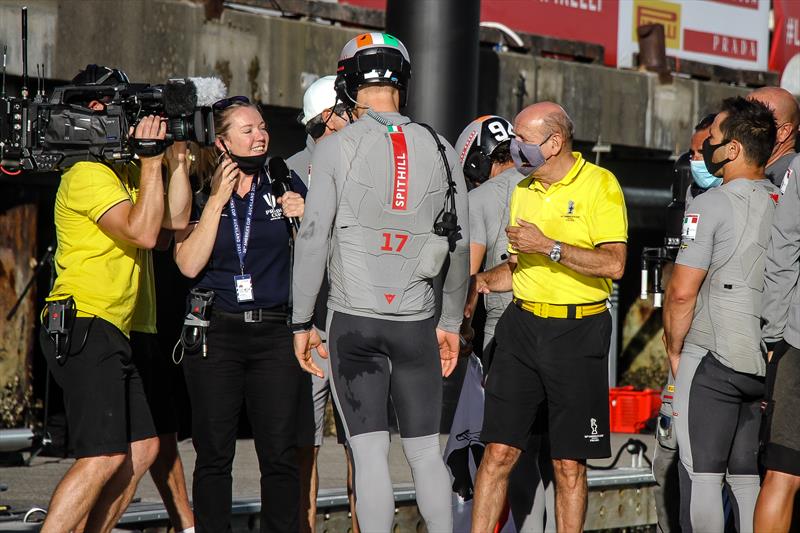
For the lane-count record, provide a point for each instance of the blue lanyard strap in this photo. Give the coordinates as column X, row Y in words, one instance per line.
column 241, row 243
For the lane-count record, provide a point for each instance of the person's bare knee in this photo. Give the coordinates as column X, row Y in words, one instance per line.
column 500, row 457
column 782, row 481
column 143, row 454
column 103, row 466
column 570, row 474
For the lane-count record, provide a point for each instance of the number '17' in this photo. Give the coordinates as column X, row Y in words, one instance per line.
column 400, row 238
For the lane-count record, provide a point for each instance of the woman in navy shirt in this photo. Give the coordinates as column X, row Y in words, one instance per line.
column 238, row 247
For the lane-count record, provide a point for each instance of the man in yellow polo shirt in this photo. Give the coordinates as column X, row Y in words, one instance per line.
column 567, row 238
column 106, row 218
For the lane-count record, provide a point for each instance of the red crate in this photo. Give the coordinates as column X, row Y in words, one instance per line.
column 631, row 409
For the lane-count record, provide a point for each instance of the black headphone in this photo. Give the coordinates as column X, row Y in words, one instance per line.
column 477, row 166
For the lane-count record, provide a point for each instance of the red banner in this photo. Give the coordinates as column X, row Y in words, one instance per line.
column 786, row 37
column 749, row 4
column 591, row 21
column 613, row 24
column 720, row 45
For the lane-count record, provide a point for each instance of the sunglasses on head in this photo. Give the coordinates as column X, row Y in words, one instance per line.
column 225, row 103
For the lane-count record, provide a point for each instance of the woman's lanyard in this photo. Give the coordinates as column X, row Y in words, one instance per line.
column 243, row 282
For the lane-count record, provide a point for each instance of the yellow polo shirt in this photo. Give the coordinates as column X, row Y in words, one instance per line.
column 101, row 274
column 586, row 208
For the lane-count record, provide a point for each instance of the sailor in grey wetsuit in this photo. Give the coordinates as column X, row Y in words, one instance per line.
column 784, row 106
column 484, row 155
column 378, row 189
column 666, row 463
column 322, row 116
column 781, row 332
column 711, row 318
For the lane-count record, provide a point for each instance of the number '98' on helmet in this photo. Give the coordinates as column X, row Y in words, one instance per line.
column 478, row 143
column 372, row 58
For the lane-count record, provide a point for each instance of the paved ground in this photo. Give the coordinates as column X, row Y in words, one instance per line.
column 31, row 486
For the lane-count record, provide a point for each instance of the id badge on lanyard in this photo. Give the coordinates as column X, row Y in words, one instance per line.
column 243, row 283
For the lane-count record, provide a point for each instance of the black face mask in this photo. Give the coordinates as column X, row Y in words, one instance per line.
column 249, row 164
column 708, row 154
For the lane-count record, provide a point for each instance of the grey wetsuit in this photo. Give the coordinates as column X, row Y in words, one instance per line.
column 488, row 219
column 720, row 383
column 375, row 193
column 300, row 164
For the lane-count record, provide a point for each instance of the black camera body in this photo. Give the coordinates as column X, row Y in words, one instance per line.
column 47, row 135
column 654, row 258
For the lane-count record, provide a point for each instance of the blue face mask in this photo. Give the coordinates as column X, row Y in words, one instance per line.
column 702, row 177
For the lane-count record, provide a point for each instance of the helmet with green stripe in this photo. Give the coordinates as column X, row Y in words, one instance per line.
column 372, row 59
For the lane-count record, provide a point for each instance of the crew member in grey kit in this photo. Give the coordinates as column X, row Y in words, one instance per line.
column 484, row 152
column 711, row 318
column 322, row 115
column 389, row 194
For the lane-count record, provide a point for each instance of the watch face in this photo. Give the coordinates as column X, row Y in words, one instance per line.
column 555, row 253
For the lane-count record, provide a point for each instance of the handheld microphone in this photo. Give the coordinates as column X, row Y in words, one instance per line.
column 281, row 183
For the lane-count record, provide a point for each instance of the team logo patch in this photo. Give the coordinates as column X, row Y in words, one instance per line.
column 569, row 215
column 690, row 223
column 594, row 435
column 786, row 178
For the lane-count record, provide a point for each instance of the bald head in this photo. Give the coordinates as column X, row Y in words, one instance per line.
column 538, row 121
column 787, row 117
column 782, row 102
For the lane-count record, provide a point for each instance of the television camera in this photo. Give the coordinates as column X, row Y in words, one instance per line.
column 654, row 258
column 50, row 134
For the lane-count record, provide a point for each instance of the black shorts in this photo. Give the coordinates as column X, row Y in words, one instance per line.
column 562, row 363
column 782, row 432
column 158, row 374
column 103, row 394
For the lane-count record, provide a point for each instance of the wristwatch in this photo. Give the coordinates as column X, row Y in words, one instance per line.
column 555, row 253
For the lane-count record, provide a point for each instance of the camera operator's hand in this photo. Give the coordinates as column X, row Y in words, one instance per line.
column 224, row 181
column 151, row 127
column 293, row 204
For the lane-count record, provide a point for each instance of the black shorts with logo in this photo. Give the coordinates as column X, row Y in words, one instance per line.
column 562, row 363
column 781, row 438
column 103, row 394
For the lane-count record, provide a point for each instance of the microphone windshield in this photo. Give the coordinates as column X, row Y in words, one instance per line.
column 180, row 97
column 209, row 90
